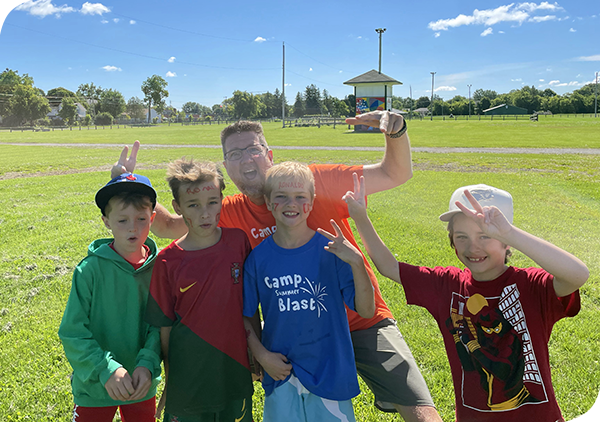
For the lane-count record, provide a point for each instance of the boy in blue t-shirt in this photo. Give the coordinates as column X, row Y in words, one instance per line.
column 306, row 350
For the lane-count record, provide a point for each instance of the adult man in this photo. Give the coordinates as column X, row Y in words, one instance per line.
column 382, row 357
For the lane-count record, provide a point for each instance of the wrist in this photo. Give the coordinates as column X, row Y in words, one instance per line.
column 400, row 133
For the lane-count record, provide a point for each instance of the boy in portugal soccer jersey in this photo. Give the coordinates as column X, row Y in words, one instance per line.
column 302, row 279
column 196, row 299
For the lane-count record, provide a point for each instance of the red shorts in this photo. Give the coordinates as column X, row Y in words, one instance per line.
column 135, row 412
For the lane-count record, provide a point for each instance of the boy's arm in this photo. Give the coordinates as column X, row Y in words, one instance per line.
column 568, row 271
column 90, row 363
column 364, row 300
column 383, row 259
column 395, row 167
column 276, row 364
column 165, row 335
column 147, row 366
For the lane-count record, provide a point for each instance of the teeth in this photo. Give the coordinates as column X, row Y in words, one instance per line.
column 476, row 259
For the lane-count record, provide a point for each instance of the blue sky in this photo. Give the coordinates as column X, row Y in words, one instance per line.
column 206, row 50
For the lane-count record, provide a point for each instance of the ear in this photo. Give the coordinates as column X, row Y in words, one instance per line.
column 176, row 207
column 152, row 217
column 268, row 203
column 270, row 155
column 105, row 221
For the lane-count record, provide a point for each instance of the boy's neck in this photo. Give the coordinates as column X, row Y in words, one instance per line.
column 292, row 237
column 133, row 257
column 191, row 242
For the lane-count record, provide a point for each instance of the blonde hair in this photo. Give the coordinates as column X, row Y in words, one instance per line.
column 289, row 170
column 184, row 171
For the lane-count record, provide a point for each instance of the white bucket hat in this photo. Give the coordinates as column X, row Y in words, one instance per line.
column 487, row 196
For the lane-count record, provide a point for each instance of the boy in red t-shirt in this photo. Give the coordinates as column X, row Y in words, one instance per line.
column 196, row 299
column 496, row 320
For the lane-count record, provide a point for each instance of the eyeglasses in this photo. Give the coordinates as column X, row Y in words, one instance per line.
column 236, row 154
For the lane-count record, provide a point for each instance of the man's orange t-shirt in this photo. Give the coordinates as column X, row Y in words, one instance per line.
column 332, row 181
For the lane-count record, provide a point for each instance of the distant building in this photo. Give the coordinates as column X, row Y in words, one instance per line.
column 505, row 109
column 373, row 91
column 422, row 111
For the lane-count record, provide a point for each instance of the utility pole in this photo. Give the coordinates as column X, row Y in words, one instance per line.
column 283, row 89
column 380, row 31
column 470, row 85
column 432, row 78
column 411, row 104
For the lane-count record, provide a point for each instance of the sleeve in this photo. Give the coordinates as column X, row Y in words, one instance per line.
column 346, row 280
column 149, row 356
column 160, row 310
column 554, row 307
column 332, row 181
column 424, row 286
column 90, row 363
column 250, row 287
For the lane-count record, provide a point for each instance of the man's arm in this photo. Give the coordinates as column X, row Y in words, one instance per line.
column 167, row 225
column 395, row 167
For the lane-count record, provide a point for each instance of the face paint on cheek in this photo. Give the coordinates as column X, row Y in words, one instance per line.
column 275, row 205
column 306, row 208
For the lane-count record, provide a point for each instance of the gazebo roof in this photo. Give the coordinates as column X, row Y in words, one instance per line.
column 372, row 77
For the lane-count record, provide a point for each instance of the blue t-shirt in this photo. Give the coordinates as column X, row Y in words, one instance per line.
column 302, row 293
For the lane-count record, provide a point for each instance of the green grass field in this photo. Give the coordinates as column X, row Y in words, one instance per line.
column 48, row 218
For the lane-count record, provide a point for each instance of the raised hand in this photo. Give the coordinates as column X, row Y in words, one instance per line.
column 119, row 386
column 125, row 165
column 357, row 204
column 340, row 246
column 276, row 365
column 386, row 121
column 490, row 220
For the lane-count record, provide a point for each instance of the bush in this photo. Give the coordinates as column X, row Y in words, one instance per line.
column 87, row 120
column 155, row 120
column 103, row 119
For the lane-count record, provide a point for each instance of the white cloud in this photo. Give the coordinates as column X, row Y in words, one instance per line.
column 43, row 8
column 116, row 20
column 103, row 21
column 501, row 32
column 518, row 13
column 516, row 80
column 132, row 22
column 112, row 68
column 94, row 9
column 340, row 71
column 259, row 39
column 171, row 59
column 487, row 32
column 541, row 80
column 444, row 88
column 171, row 74
column 437, row 34
column 359, row 37
column 542, row 18
column 310, row 69
column 572, row 83
column 595, row 58
column 572, row 30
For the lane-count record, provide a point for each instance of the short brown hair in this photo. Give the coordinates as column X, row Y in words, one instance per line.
column 126, row 199
column 287, row 170
column 451, row 236
column 243, row 126
column 183, row 171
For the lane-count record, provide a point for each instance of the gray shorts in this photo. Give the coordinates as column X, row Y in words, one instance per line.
column 385, row 363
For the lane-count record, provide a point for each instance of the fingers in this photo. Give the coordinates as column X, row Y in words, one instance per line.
column 476, row 206
column 123, row 156
column 384, row 123
column 134, row 151
column 326, row 234
column 337, row 229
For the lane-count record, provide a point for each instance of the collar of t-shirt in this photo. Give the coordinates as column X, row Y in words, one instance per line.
column 137, row 265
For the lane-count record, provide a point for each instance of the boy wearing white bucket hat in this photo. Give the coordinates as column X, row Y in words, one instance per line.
column 495, row 319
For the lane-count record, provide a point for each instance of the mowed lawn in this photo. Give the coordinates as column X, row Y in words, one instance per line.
column 49, row 217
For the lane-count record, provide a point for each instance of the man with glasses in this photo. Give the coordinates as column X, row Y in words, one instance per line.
column 383, row 359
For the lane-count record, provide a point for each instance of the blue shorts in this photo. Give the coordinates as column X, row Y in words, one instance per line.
column 294, row 403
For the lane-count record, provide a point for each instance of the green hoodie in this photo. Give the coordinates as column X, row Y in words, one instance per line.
column 103, row 326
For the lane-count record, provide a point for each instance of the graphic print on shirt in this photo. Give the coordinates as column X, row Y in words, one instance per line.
column 500, row 370
column 295, row 294
column 262, row 233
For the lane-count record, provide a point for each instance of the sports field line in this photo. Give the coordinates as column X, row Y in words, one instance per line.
column 435, row 150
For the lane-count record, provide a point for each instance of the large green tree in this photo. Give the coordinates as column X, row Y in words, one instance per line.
column 112, row 102
column 68, row 110
column 135, row 108
column 299, row 109
column 246, row 105
column 10, row 80
column 26, row 105
column 155, row 92
column 191, row 107
column 312, row 100
column 89, row 96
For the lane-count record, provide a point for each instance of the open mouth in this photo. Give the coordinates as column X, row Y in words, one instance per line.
column 291, row 214
column 476, row 260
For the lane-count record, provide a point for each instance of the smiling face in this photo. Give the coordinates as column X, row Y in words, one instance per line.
column 129, row 225
column 480, row 253
column 248, row 172
column 291, row 202
column 200, row 206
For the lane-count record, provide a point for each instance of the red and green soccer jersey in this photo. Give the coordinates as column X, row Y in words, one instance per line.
column 199, row 294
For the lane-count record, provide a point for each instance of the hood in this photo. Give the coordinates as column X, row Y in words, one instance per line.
column 101, row 248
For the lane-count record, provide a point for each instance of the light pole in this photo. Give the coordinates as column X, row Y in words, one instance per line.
column 380, row 31
column 432, row 78
column 470, row 85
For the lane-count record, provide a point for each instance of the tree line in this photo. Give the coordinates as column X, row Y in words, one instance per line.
column 23, row 103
